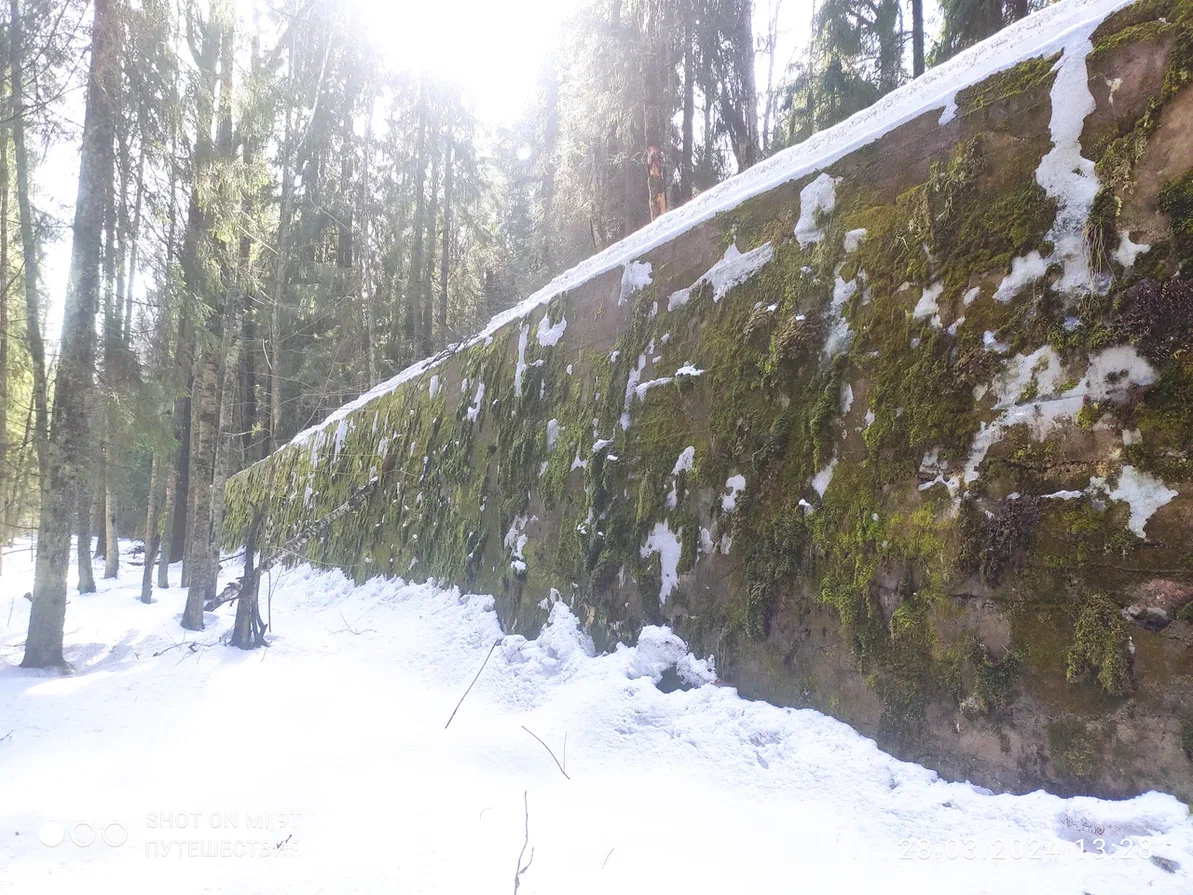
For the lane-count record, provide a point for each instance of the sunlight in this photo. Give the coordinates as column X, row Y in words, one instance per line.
column 492, row 50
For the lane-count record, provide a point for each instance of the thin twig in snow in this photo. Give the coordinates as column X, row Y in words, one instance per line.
column 549, row 752
column 520, row 868
column 470, row 686
column 607, row 857
column 6, row 736
column 347, row 627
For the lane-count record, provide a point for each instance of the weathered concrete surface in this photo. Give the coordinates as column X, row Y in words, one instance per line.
column 951, row 512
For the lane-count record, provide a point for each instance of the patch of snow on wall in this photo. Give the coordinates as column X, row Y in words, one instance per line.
column 839, row 334
column 663, row 541
column 1128, row 251
column 634, row 277
column 547, row 334
column 520, row 369
column 515, row 543
column 821, row 480
column 927, row 308
column 1024, row 270
column 1111, row 373
column 685, row 461
column 733, row 269
column 475, row 408
column 1064, row 173
column 1144, row 493
column 817, row 198
column 630, row 388
column 734, row 485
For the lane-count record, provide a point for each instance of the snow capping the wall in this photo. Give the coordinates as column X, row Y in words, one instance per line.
column 1042, row 33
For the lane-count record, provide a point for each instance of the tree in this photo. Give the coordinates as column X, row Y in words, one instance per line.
column 66, row 441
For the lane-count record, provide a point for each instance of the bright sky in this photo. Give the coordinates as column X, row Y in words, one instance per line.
column 494, row 49
column 490, row 48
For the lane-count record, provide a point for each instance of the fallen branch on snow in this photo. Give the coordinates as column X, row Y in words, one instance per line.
column 520, row 867
column 549, row 752
column 470, row 686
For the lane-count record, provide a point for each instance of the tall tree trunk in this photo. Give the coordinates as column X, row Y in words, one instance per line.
column 248, row 631
column 414, row 289
column 167, row 465
column 432, row 230
column 15, row 505
column 85, row 505
column 368, row 265
column 169, row 502
column 152, row 536
column 111, row 338
column 204, row 40
column 236, row 304
column 772, row 46
column 917, row 38
column 689, row 112
column 279, row 281
column 133, row 240
column 204, row 420
column 656, row 112
column 550, row 139
column 5, row 285
column 201, row 565
column 445, row 255
column 112, row 560
column 347, row 283
column 225, row 437
column 746, row 115
column 30, row 249
column 66, row 443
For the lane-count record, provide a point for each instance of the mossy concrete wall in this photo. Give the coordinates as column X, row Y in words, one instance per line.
column 932, row 478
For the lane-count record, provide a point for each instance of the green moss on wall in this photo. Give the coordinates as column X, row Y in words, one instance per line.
column 463, row 478
column 1101, row 647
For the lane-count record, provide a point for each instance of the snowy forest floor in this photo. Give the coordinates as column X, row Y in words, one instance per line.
column 321, row 764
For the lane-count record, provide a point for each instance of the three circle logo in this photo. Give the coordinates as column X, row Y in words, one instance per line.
column 83, row 834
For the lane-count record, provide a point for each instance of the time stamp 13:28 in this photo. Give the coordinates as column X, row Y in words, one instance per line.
column 972, row 849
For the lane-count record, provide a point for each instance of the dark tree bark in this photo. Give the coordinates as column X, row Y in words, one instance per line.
column 279, row 280
column 204, row 42
column 5, row 284
column 687, row 136
column 152, row 535
column 550, row 139
column 428, row 292
column 248, row 631
column 446, row 253
column 201, row 563
column 917, row 37
column 414, row 289
column 29, row 245
column 67, row 440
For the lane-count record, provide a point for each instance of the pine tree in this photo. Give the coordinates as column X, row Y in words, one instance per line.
column 67, row 440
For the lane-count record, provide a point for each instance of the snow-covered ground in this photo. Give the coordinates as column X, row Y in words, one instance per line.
column 194, row 761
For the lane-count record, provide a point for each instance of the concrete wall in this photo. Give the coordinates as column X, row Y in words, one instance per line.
column 901, row 432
